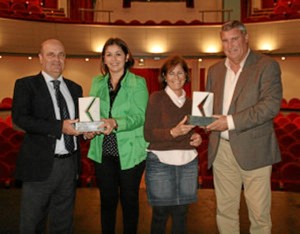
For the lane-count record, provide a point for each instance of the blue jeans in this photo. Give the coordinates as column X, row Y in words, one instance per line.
column 169, row 185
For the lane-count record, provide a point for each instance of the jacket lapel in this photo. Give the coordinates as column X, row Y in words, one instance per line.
column 123, row 92
column 43, row 88
column 242, row 81
column 220, row 84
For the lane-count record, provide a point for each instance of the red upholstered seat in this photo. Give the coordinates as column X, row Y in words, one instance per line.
column 290, row 176
column 294, row 103
column 196, row 22
column 181, row 22
column 150, row 22
column 5, row 8
column 297, row 121
column 296, row 133
column 286, row 141
column 8, row 121
column 165, row 22
column 87, row 176
column 8, row 132
column 205, row 176
column 17, row 6
column 294, row 149
column 119, row 22
column 135, row 22
column 10, row 158
column 284, row 103
column 6, row 103
column 281, row 121
column 5, row 146
column 6, row 175
column 290, row 127
column 34, row 8
column 20, row 1
column 16, row 139
column 292, row 116
column 3, row 125
column 280, row 132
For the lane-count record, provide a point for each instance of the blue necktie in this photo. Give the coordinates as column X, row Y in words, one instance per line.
column 64, row 114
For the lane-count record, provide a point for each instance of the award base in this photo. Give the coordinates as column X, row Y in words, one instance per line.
column 200, row 120
column 88, row 126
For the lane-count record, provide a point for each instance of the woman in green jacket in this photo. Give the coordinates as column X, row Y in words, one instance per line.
column 119, row 152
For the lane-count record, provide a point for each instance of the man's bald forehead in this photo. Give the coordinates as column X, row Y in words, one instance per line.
column 51, row 42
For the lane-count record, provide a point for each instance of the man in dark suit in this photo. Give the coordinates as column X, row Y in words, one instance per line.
column 46, row 165
column 242, row 146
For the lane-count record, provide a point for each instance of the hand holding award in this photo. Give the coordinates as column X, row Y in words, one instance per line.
column 202, row 108
column 89, row 115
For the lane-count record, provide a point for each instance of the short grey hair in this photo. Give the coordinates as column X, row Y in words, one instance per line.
column 234, row 24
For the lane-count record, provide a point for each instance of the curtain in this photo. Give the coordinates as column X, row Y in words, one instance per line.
column 50, row 3
column 78, row 15
column 151, row 77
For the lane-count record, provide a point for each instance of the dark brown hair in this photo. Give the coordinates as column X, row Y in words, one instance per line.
column 169, row 65
column 122, row 44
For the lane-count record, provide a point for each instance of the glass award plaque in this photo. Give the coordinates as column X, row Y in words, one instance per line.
column 202, row 108
column 89, row 115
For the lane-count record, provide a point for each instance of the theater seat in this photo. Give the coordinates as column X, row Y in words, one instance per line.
column 286, row 141
column 205, row 176
column 5, row 8
column 281, row 121
column 296, row 121
column 3, row 125
column 5, row 146
column 16, row 139
column 87, row 176
column 294, row 103
column 19, row 9
column 165, row 22
column 8, row 132
column 284, row 104
column 6, row 103
column 35, row 11
column 290, row 176
column 296, row 133
column 119, row 22
column 6, row 176
column 292, row 116
column 290, row 127
column 294, row 149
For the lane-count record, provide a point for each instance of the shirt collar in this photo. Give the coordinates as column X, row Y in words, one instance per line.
column 242, row 63
column 178, row 101
column 49, row 78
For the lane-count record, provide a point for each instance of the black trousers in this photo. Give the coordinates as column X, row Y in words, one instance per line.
column 115, row 184
column 160, row 215
column 53, row 199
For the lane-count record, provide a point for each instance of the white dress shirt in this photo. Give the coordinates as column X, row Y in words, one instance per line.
column 231, row 80
column 60, row 143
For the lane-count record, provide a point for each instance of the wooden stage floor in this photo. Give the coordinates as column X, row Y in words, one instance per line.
column 201, row 218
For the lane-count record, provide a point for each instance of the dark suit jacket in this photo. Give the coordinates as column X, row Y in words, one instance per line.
column 256, row 101
column 33, row 112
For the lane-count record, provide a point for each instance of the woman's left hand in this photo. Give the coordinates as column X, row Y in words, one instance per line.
column 90, row 135
column 109, row 125
column 196, row 140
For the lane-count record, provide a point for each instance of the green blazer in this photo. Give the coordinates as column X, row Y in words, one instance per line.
column 129, row 110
